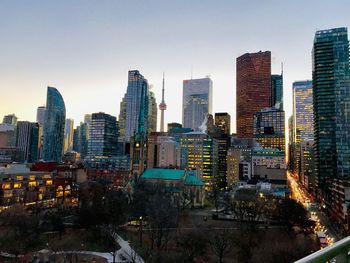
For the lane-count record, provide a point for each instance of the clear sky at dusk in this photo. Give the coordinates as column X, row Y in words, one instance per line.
column 85, row 48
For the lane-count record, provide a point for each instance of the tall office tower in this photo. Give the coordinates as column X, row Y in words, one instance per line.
column 136, row 105
column 196, row 102
column 68, row 135
column 199, row 152
column 40, row 115
column 331, row 99
column 80, row 139
column 290, row 144
column 76, row 139
column 10, row 119
column 27, row 140
column 122, row 117
column 55, row 116
column 152, row 112
column 103, row 135
column 87, row 119
column 303, row 129
column 269, row 130
column 253, row 89
column 162, row 108
column 223, row 121
column 40, row 119
column 277, row 91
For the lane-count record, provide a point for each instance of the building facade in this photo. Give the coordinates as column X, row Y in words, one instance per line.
column 55, row 116
column 196, row 102
column 68, row 135
column 277, row 91
column 103, row 139
column 331, row 100
column 253, row 89
column 137, row 101
column 269, row 128
column 27, row 140
column 223, row 121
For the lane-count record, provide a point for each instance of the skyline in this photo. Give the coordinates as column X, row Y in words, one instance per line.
column 87, row 54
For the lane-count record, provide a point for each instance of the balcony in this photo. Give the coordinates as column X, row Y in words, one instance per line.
column 338, row 252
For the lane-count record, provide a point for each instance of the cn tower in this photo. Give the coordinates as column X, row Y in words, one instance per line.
column 162, row 108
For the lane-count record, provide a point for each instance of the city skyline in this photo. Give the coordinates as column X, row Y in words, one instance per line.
column 85, row 68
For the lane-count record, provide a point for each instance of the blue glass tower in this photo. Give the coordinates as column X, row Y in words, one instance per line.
column 136, row 105
column 331, row 96
column 55, row 117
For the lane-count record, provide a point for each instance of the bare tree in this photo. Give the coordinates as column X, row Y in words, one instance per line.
column 221, row 243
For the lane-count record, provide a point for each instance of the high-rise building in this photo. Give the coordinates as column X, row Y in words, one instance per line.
column 199, row 152
column 269, row 130
column 136, row 105
column 277, row 91
column 40, row 119
column 40, row 115
column 152, row 112
column 68, row 135
column 303, row 129
column 253, row 89
column 122, row 118
column 196, row 102
column 331, row 100
column 27, row 140
column 55, row 116
column 223, row 121
column 103, row 135
column 10, row 119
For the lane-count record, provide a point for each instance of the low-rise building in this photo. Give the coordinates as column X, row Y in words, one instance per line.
column 179, row 183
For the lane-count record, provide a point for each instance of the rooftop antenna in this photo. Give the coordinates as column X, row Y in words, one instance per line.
column 282, row 68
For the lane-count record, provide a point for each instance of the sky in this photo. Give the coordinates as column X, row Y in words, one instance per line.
column 85, row 48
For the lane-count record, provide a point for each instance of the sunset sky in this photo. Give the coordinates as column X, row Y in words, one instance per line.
column 85, row 48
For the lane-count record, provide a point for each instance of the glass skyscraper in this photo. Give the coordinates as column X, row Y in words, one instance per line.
column 136, row 105
column 196, row 102
column 103, row 139
column 331, row 99
column 55, row 116
column 277, row 91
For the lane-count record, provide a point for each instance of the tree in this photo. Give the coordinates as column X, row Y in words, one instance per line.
column 221, row 243
column 290, row 213
column 21, row 230
column 193, row 244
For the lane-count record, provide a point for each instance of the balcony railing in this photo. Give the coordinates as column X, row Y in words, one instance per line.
column 339, row 252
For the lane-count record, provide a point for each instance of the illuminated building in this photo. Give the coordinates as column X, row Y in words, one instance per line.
column 196, row 102
column 233, row 159
column 199, row 152
column 269, row 130
column 253, row 89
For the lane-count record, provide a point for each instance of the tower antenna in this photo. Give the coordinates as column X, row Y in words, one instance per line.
column 162, row 106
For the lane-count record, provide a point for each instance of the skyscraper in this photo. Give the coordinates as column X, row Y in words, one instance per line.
column 40, row 115
column 269, row 130
column 152, row 112
column 196, row 102
column 55, row 116
column 331, row 100
column 277, row 91
column 253, row 89
column 68, row 135
column 136, row 105
column 303, row 129
column 27, row 140
column 103, row 135
column 122, row 118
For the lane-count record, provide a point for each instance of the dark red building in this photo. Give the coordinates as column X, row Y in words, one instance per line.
column 253, row 89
